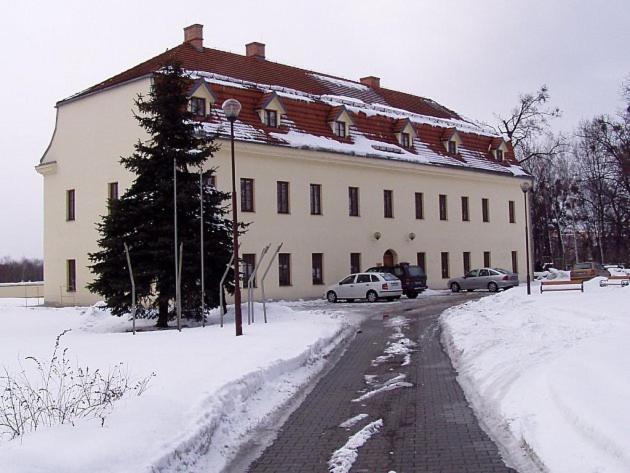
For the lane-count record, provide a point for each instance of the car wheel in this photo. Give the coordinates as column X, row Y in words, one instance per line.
column 412, row 295
column 371, row 296
column 455, row 287
column 331, row 296
column 492, row 287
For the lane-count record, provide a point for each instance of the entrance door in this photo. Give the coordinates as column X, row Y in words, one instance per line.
column 389, row 258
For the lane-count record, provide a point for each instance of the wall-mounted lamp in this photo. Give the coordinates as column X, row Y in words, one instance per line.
column 377, row 235
column 412, row 236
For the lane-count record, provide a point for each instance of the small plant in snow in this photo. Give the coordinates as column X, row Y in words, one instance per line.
column 56, row 392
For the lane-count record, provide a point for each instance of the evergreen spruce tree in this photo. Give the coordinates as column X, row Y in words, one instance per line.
column 143, row 216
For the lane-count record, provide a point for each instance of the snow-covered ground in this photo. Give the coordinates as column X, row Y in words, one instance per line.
column 549, row 375
column 210, row 390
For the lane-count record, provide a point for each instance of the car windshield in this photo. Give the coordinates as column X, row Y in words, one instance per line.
column 583, row 266
column 415, row 271
column 504, row 271
column 389, row 277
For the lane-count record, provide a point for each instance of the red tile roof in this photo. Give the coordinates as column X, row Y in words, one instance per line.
column 311, row 99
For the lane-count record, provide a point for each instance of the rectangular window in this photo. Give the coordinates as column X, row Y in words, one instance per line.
column 515, row 262
column 318, row 268
column 452, row 147
column 353, row 201
column 198, row 106
column 485, row 210
column 271, row 118
column 283, row 197
column 70, row 203
column 443, row 208
column 284, row 269
column 210, row 180
column 112, row 191
column 486, row 259
column 355, row 262
column 316, row 199
column 340, row 129
column 404, row 140
column 247, row 195
column 465, row 214
column 388, row 203
column 421, row 260
column 511, row 212
column 249, row 263
column 445, row 271
column 419, row 205
column 500, row 155
column 71, row 271
column 466, row 255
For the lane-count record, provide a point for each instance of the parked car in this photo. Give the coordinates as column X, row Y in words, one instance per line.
column 588, row 270
column 491, row 279
column 412, row 276
column 370, row 286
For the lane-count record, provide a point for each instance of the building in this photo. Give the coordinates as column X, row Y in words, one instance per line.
column 346, row 174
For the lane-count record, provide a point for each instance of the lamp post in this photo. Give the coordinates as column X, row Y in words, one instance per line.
column 231, row 108
column 526, row 187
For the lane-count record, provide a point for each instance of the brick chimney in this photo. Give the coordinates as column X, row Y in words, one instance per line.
column 256, row 50
column 193, row 34
column 371, row 81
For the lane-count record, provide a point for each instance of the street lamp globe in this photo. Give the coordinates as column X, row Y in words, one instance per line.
column 231, row 108
column 526, row 186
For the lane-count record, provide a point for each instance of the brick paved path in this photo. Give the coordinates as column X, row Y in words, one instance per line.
column 426, row 428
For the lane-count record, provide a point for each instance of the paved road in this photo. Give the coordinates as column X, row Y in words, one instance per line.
column 427, row 427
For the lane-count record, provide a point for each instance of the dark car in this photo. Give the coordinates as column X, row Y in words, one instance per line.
column 412, row 276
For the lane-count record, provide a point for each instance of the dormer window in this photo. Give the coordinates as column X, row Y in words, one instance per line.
column 404, row 140
column 452, row 147
column 340, row 129
column 198, row 106
column 271, row 118
column 500, row 155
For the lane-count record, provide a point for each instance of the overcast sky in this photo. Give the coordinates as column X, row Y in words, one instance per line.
column 472, row 56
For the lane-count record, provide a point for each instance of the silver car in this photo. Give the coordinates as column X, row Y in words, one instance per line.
column 491, row 279
column 370, row 286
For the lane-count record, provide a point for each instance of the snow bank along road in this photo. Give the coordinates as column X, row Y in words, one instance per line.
column 210, row 391
column 390, row 404
column 549, row 375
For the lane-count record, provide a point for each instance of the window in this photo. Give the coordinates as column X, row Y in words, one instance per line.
column 316, row 199
column 511, row 212
column 210, row 180
column 466, row 255
column 500, row 155
column 485, row 211
column 283, row 197
column 284, row 269
column 355, row 262
column 70, row 203
column 271, row 118
column 486, row 259
column 374, row 278
column 112, row 191
column 465, row 214
column 363, row 278
column 348, row 280
column 318, row 268
column 247, row 195
column 71, row 270
column 249, row 264
column 198, row 106
column 515, row 262
column 388, row 203
column 445, row 272
column 353, row 201
column 452, row 147
column 340, row 129
column 443, row 208
column 419, row 205
column 404, row 140
column 421, row 260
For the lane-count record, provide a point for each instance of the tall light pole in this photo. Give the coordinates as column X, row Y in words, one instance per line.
column 231, row 108
column 203, row 285
column 526, row 187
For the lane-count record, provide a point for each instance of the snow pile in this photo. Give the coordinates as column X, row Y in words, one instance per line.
column 554, row 274
column 548, row 375
column 210, row 392
column 343, row 459
column 618, row 271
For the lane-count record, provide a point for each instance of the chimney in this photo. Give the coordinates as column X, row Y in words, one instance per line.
column 371, row 81
column 255, row 49
column 193, row 34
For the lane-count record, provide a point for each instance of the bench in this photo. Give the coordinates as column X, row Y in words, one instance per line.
column 620, row 281
column 572, row 285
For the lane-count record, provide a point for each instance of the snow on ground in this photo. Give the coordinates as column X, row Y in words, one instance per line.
column 210, row 390
column 548, row 375
column 343, row 459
